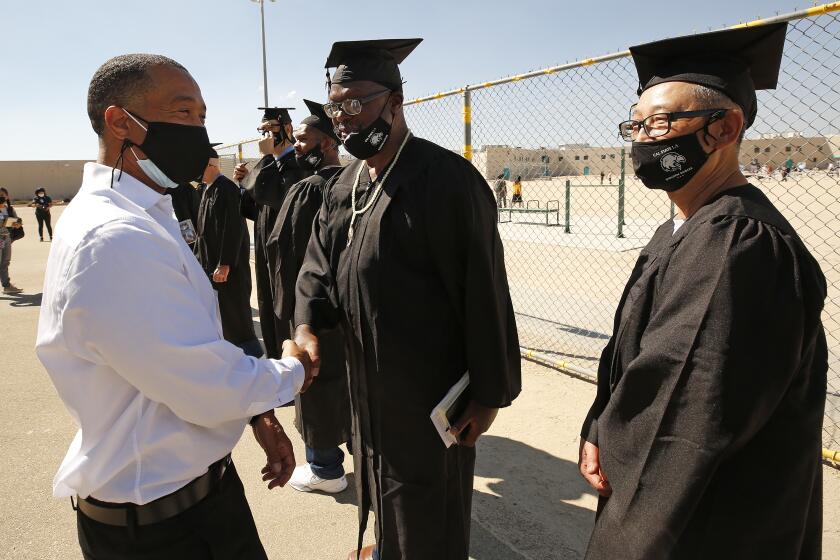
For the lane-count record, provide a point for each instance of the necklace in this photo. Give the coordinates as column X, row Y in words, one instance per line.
column 380, row 183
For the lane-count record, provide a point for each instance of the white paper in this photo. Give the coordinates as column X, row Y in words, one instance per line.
column 438, row 415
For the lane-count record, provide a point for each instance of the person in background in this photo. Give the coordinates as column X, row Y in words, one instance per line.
column 322, row 413
column 42, row 204
column 500, row 187
column 223, row 249
column 517, row 191
column 6, row 238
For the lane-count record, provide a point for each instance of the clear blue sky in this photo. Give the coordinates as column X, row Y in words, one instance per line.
column 50, row 49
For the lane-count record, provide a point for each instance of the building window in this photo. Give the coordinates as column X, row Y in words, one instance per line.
column 788, row 149
column 814, row 160
column 603, row 156
column 577, row 158
column 561, row 158
column 612, row 156
column 757, row 150
column 585, row 157
column 767, row 150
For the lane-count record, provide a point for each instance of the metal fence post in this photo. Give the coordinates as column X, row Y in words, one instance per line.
column 568, row 228
column 239, row 152
column 621, row 197
column 467, row 124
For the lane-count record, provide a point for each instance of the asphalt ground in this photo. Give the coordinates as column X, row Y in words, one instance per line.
column 528, row 503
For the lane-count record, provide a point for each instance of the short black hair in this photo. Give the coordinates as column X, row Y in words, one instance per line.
column 119, row 81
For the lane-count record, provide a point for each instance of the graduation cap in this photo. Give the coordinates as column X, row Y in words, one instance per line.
column 374, row 61
column 736, row 62
column 318, row 119
column 213, row 153
column 276, row 114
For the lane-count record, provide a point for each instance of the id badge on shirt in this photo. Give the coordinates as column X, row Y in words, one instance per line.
column 188, row 231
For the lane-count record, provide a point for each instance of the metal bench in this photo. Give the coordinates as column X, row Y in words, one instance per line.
column 552, row 208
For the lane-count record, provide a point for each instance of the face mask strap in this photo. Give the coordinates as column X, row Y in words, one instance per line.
column 120, row 160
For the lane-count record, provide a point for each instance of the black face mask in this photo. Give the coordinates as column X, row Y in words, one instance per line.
column 178, row 150
column 311, row 160
column 2, row 200
column 668, row 164
column 370, row 140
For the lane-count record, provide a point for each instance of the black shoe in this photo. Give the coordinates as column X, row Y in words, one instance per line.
column 42, row 240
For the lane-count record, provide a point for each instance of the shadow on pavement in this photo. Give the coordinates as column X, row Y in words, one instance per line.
column 22, row 300
column 521, row 509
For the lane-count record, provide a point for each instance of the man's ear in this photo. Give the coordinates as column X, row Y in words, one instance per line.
column 396, row 100
column 725, row 131
column 118, row 123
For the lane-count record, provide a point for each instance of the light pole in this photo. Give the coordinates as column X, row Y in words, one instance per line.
column 265, row 68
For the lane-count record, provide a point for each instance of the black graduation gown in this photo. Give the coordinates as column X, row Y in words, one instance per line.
column 265, row 188
column 223, row 240
column 423, row 296
column 323, row 412
column 711, row 393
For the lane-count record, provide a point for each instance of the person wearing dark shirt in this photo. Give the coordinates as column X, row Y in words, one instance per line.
column 42, row 204
column 718, row 352
column 406, row 257
column 185, row 201
column 8, row 235
column 223, row 249
column 265, row 189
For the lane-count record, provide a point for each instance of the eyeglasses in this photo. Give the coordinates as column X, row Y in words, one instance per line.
column 659, row 124
column 351, row 106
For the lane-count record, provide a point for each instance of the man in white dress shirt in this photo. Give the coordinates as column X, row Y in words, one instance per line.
column 130, row 334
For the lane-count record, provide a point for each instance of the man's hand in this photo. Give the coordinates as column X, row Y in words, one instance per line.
column 220, row 275
column 240, row 171
column 308, row 342
column 475, row 420
column 292, row 350
column 590, row 468
column 280, row 457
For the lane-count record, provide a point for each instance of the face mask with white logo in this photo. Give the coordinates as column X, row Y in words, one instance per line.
column 370, row 140
column 668, row 164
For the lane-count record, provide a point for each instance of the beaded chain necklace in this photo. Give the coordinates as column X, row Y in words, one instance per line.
column 379, row 185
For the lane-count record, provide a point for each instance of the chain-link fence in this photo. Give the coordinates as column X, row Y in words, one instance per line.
column 571, row 242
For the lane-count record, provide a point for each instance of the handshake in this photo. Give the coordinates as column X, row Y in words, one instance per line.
column 280, row 457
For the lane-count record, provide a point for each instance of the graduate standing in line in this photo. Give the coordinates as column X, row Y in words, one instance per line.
column 718, row 354
column 322, row 413
column 265, row 188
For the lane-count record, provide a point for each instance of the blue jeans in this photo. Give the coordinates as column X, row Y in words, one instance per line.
column 326, row 463
column 252, row 348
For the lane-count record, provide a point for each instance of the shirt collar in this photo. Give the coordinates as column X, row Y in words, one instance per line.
column 98, row 177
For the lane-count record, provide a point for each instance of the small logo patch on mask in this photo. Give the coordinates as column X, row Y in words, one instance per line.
column 376, row 138
column 672, row 162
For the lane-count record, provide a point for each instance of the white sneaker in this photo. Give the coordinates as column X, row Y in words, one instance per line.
column 304, row 480
column 11, row 289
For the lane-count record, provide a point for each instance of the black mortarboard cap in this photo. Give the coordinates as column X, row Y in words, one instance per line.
column 318, row 119
column 374, row 61
column 276, row 114
column 736, row 62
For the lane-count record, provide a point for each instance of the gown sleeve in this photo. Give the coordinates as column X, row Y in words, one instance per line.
column 469, row 256
column 231, row 230
column 316, row 298
column 728, row 330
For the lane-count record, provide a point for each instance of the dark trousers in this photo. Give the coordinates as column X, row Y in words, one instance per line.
column 44, row 218
column 220, row 527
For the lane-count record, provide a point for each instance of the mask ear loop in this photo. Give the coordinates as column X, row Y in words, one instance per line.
column 120, row 161
column 714, row 117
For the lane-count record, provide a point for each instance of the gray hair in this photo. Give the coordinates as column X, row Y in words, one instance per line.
column 710, row 98
column 120, row 81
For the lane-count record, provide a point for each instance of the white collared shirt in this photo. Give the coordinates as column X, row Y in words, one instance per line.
column 130, row 334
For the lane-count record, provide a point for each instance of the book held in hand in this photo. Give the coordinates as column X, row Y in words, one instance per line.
column 11, row 222
column 446, row 413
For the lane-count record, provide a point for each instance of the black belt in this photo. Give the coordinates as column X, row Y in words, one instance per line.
column 159, row 510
